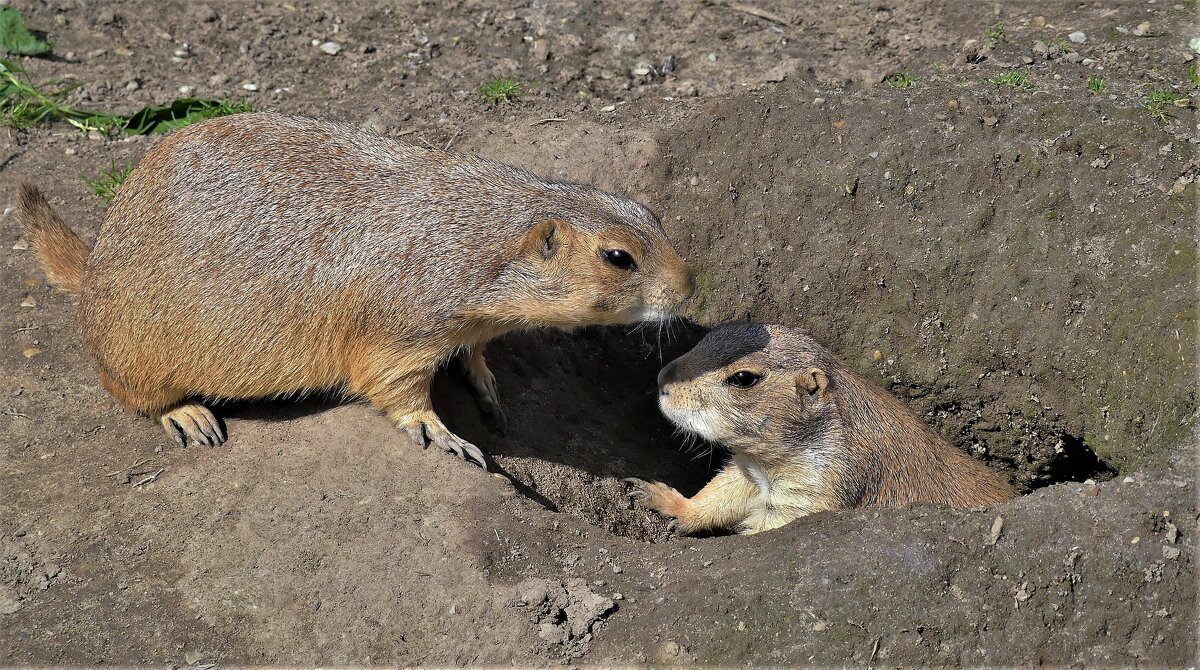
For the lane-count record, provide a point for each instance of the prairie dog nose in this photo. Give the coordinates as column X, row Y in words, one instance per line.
column 667, row 375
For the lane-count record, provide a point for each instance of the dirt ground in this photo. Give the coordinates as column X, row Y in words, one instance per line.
column 1019, row 264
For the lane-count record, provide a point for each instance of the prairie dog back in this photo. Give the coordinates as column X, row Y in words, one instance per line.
column 259, row 254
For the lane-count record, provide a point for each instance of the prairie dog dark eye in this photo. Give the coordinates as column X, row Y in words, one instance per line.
column 620, row 258
column 743, row 379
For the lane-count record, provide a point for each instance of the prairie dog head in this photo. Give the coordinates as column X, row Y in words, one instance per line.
column 612, row 266
column 750, row 387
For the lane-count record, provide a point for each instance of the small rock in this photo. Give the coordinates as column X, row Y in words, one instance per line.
column 694, row 181
column 608, row 108
column 668, row 65
column 712, row 57
column 818, row 101
column 1039, row 22
column 1170, row 553
column 1194, row 44
column 617, row 569
column 1077, row 37
column 952, row 105
column 1172, row 533
column 1073, row 57
column 820, row 626
column 31, row 352
column 29, row 301
column 1027, row 60
column 219, row 79
column 1040, row 48
column 641, row 69
column 1123, row 30
column 21, row 245
column 990, row 121
column 741, row 625
column 874, row 154
column 185, row 90
column 132, row 85
column 192, row 657
column 250, row 87
column 183, row 51
column 1141, row 29
column 618, row 596
column 997, row 528
column 331, row 48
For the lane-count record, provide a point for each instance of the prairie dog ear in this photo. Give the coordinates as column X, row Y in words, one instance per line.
column 546, row 238
column 813, row 381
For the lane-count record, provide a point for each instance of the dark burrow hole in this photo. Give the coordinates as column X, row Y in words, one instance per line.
column 1074, row 463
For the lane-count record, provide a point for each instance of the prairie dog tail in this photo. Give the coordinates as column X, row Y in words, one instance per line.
column 60, row 249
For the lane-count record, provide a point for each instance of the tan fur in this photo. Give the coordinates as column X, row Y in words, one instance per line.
column 263, row 255
column 811, row 435
column 61, row 251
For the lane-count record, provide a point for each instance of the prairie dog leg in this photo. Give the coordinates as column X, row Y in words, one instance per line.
column 723, row 503
column 404, row 398
column 483, row 383
column 183, row 421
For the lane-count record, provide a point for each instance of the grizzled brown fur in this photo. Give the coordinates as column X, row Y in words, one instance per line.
column 264, row 255
column 809, row 434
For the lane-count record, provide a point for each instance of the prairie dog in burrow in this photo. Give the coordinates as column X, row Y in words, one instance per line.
column 807, row 434
column 261, row 255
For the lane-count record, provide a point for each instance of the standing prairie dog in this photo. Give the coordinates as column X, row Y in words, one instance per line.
column 807, row 433
column 262, row 255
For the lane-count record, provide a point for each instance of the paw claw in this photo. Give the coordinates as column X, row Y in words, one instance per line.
column 193, row 422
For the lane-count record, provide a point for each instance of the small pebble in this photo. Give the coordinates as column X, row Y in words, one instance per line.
column 21, row 245
column 185, row 90
column 618, row 596
column 1141, row 29
column 641, row 69
column 818, row 101
column 1039, row 22
column 1077, row 37
column 1123, row 30
column 29, row 301
column 618, row 569
column 712, row 57
column 331, row 48
column 250, row 87
column 608, row 108
column 1194, row 44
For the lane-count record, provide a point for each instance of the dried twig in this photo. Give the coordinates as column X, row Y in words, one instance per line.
column 26, row 329
column 552, row 119
column 760, row 13
column 452, row 138
column 12, row 412
column 151, row 477
column 126, row 469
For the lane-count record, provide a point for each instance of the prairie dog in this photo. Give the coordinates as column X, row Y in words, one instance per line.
column 263, row 255
column 807, row 433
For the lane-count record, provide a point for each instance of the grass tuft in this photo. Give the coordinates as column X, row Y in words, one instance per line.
column 1157, row 102
column 902, row 80
column 1012, row 78
column 24, row 104
column 500, row 90
column 109, row 181
column 1193, row 74
column 995, row 34
column 1096, row 85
